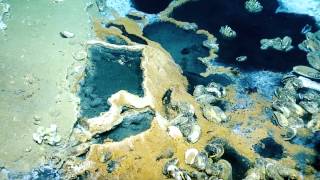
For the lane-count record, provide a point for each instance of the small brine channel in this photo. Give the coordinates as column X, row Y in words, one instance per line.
column 108, row 71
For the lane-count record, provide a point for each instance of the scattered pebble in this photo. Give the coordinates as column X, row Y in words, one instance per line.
column 67, row 34
column 57, row 1
column 168, row 153
column 112, row 165
column 47, row 135
column 36, row 118
column 105, row 157
column 28, row 149
column 241, row 58
column 80, row 55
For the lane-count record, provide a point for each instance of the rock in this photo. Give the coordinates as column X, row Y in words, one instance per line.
column 4, row 9
column 190, row 155
column 38, row 137
column 28, row 149
column 36, row 118
column 66, row 34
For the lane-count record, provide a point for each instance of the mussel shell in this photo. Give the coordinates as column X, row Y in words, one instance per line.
column 172, row 163
column 215, row 150
column 307, row 72
column 201, row 161
column 314, row 59
column 310, row 106
column 280, row 119
column 288, row 133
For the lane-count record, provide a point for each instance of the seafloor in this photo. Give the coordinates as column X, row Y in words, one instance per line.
column 160, row 89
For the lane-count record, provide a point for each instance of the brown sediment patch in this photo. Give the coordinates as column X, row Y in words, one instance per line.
column 137, row 154
column 102, row 32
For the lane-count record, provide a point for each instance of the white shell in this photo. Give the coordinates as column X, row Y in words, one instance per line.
column 307, row 71
column 174, row 132
column 190, row 155
column 307, row 83
column 195, row 134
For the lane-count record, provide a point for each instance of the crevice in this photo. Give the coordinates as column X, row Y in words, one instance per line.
column 132, row 37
